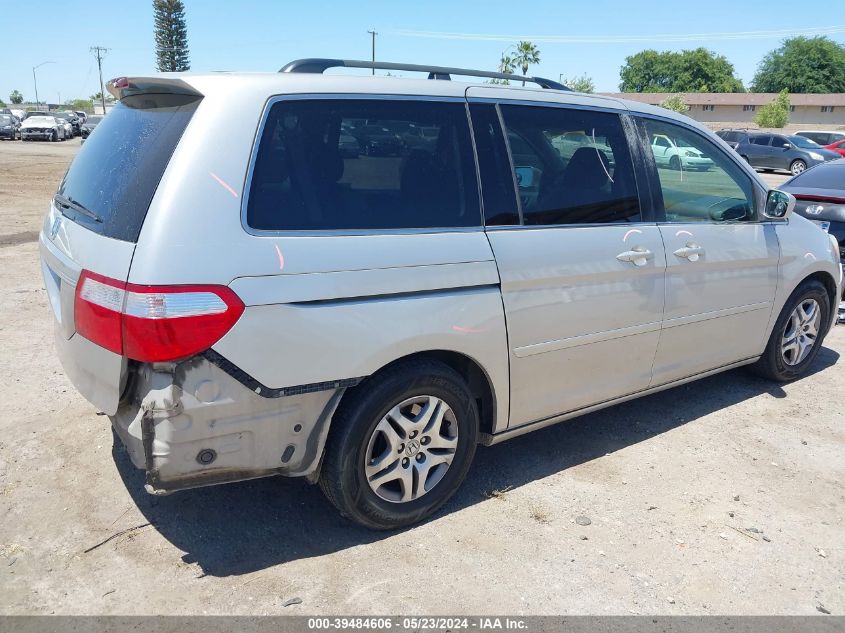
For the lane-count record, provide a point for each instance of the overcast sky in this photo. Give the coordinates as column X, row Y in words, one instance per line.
column 591, row 37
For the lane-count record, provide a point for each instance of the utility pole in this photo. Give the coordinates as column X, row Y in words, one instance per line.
column 374, row 33
column 99, row 51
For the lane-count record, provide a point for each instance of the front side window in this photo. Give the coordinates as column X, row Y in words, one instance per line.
column 350, row 164
column 763, row 139
column 571, row 166
column 698, row 181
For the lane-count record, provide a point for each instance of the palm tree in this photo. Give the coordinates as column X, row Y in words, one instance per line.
column 526, row 53
column 506, row 65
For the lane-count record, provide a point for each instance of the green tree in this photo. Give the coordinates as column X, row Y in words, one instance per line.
column 697, row 70
column 98, row 96
column 16, row 97
column 80, row 104
column 2, row 104
column 526, row 54
column 803, row 64
column 506, row 65
column 580, row 84
column 776, row 113
column 675, row 103
column 171, row 36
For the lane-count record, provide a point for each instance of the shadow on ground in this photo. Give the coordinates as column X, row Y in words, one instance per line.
column 244, row 527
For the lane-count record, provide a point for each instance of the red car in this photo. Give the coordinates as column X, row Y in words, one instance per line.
column 837, row 146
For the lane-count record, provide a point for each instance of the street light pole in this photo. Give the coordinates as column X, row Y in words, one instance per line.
column 35, row 80
column 374, row 33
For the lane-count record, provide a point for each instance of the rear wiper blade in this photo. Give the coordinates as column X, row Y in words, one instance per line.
column 67, row 203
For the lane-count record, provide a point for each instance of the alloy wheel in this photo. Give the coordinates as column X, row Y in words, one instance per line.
column 411, row 448
column 797, row 167
column 801, row 332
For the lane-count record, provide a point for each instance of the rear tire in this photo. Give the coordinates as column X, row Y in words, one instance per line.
column 387, row 462
column 796, row 340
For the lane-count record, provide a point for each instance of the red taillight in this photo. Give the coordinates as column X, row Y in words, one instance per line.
column 153, row 323
column 809, row 198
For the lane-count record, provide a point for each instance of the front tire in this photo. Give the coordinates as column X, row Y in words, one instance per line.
column 675, row 163
column 797, row 166
column 54, row 137
column 797, row 335
column 400, row 445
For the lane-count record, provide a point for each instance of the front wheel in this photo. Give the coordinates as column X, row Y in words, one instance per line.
column 797, row 167
column 400, row 445
column 675, row 163
column 54, row 136
column 797, row 335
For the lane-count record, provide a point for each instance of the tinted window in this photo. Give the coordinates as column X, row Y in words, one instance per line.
column 118, row 169
column 571, row 166
column 698, row 181
column 763, row 139
column 821, row 177
column 780, row 141
column 499, row 196
column 363, row 164
column 816, row 137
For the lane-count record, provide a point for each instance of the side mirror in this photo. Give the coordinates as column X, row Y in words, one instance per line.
column 787, row 145
column 779, row 204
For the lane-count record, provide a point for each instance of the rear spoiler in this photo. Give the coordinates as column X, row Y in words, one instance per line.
column 127, row 86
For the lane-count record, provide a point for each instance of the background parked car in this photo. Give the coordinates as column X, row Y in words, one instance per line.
column 70, row 117
column 42, row 128
column 675, row 154
column 90, row 123
column 837, row 146
column 10, row 127
column 776, row 151
column 83, row 116
column 822, row 137
column 820, row 197
column 68, row 128
column 733, row 137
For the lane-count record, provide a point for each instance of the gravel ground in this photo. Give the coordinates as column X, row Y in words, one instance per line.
column 720, row 497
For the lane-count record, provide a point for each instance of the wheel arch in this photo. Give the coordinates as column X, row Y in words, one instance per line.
column 477, row 379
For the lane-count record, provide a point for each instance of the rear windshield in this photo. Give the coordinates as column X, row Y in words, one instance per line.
column 822, row 177
column 118, row 169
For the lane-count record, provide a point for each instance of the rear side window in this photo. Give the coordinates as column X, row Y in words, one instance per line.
column 352, row 164
column 119, row 167
column 571, row 166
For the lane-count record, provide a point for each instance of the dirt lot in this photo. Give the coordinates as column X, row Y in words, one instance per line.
column 720, row 497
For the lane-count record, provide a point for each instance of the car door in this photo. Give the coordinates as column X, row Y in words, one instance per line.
column 758, row 150
column 781, row 156
column 581, row 269
column 722, row 261
column 661, row 147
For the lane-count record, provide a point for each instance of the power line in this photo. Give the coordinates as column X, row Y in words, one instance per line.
column 100, row 52
column 622, row 39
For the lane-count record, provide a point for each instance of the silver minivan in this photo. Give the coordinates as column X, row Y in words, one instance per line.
column 357, row 280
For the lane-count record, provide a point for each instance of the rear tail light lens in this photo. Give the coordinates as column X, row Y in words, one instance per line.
column 153, row 323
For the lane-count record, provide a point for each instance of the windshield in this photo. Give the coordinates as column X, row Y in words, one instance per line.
column 41, row 120
column 5, row 119
column 800, row 141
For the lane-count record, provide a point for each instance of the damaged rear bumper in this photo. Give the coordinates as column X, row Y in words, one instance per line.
column 192, row 424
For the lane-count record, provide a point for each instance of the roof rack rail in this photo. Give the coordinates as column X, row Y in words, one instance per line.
column 319, row 65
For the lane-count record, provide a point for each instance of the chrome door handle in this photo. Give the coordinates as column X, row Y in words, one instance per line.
column 691, row 251
column 637, row 256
